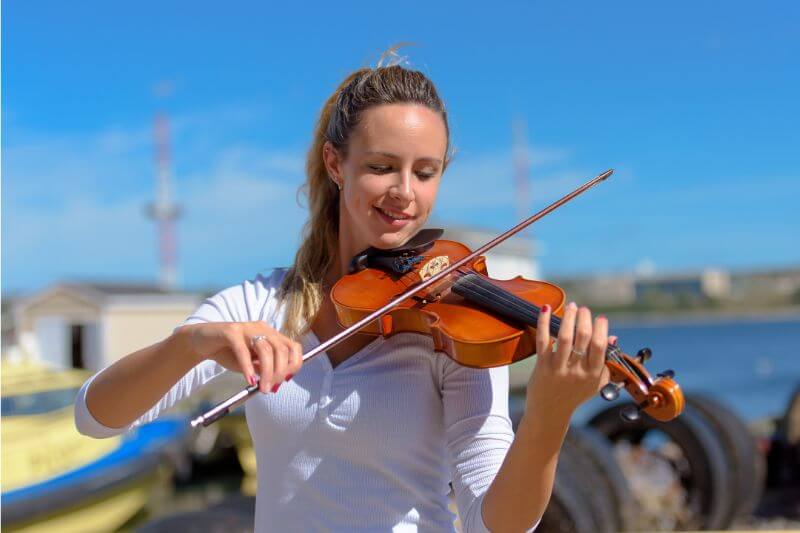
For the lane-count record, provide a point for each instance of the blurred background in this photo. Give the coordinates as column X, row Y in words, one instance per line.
column 151, row 156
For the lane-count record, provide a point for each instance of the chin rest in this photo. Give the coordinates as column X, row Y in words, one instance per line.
column 398, row 260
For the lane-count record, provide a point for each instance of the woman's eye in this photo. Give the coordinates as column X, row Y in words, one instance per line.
column 379, row 168
column 426, row 175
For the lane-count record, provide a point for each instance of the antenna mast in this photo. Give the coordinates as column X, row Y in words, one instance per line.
column 522, row 165
column 163, row 211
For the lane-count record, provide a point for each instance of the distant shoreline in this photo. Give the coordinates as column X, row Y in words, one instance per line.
column 702, row 316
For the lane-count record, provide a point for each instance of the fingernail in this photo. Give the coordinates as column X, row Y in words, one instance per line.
column 290, row 376
column 601, row 317
column 572, row 305
column 545, row 308
column 275, row 387
column 251, row 379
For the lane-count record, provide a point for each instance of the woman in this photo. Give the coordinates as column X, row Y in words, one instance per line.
column 368, row 436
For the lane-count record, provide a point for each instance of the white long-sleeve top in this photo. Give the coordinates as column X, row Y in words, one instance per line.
column 370, row 445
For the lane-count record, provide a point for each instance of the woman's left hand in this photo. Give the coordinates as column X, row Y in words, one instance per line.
column 566, row 377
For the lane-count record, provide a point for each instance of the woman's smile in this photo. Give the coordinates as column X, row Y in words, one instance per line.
column 392, row 217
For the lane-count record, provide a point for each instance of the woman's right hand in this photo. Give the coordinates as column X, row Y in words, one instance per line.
column 269, row 361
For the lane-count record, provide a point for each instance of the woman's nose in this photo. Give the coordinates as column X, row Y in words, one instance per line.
column 402, row 188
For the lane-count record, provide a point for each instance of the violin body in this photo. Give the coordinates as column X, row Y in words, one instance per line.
column 465, row 331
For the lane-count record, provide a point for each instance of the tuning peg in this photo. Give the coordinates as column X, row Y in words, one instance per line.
column 610, row 391
column 630, row 413
column 644, row 354
column 666, row 374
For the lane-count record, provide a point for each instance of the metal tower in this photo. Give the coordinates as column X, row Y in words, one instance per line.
column 522, row 166
column 163, row 211
column 522, row 186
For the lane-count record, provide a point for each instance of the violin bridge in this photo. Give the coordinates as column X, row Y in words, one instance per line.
column 387, row 324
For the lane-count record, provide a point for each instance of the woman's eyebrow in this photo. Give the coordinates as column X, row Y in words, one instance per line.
column 395, row 156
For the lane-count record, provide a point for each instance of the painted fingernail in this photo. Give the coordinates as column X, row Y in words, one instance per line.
column 275, row 387
column 545, row 308
column 251, row 379
column 572, row 305
column 289, row 376
column 602, row 317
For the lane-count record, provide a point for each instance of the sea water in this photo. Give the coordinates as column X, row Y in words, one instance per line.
column 750, row 364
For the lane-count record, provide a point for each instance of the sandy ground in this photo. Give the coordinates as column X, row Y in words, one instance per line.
column 779, row 511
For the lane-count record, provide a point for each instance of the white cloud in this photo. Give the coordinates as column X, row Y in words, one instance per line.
column 485, row 181
column 74, row 206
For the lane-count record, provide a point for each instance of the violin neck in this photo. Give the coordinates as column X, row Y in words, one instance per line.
column 484, row 293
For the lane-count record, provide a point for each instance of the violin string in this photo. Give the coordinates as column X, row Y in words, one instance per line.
column 513, row 301
column 476, row 284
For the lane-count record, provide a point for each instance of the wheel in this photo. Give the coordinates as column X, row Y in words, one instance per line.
column 790, row 433
column 791, row 420
column 572, row 506
column 598, row 452
column 748, row 465
column 591, row 482
column 677, row 470
column 568, row 510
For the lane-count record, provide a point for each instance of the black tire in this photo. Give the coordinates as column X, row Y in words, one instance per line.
column 791, row 419
column 748, row 465
column 703, row 472
column 573, row 507
column 568, row 510
column 592, row 445
column 590, row 482
column 789, row 433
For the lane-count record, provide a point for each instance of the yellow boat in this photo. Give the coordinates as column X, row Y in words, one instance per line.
column 55, row 479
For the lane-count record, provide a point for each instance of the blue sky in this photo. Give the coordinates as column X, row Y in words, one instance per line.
column 694, row 103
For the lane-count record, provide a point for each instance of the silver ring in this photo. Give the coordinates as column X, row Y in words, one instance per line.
column 578, row 353
column 255, row 338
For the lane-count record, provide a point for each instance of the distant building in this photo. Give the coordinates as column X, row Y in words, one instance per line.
column 627, row 289
column 714, row 284
column 767, row 285
column 89, row 325
column 600, row 290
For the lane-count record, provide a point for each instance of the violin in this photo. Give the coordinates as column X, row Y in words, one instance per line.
column 442, row 289
column 481, row 322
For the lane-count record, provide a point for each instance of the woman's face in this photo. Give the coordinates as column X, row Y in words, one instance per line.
column 390, row 176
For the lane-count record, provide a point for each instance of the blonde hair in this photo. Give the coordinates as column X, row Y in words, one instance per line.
column 301, row 290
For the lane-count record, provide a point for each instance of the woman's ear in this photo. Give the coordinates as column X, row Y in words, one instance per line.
column 333, row 163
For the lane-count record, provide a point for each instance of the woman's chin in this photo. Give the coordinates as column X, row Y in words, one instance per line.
column 387, row 241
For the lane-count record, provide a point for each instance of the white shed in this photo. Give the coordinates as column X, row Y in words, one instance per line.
column 89, row 325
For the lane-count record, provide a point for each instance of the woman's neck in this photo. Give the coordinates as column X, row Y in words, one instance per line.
column 337, row 269
column 346, row 249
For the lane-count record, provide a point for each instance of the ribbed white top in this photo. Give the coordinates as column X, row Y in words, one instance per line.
column 368, row 446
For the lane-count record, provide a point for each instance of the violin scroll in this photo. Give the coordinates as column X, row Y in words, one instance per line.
column 660, row 397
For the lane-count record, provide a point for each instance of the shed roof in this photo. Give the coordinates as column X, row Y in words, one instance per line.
column 104, row 294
